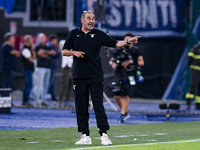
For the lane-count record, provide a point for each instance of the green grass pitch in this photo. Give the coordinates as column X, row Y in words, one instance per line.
column 164, row 136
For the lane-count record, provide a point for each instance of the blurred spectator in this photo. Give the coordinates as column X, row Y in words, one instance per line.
column 9, row 61
column 66, row 79
column 53, row 44
column 43, row 71
column 27, row 56
column 194, row 86
column 126, row 62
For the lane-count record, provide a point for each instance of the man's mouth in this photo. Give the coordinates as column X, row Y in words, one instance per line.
column 91, row 24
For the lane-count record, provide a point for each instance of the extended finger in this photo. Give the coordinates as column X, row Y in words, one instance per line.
column 78, row 55
column 137, row 37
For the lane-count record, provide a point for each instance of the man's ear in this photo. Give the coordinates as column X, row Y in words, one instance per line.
column 81, row 20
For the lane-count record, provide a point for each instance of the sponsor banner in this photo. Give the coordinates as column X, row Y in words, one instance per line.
column 148, row 18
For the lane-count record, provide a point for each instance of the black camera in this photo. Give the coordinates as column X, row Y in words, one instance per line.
column 116, row 85
column 120, row 55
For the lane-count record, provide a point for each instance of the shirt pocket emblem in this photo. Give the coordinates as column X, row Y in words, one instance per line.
column 92, row 35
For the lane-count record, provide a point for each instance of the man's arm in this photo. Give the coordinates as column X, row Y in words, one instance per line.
column 15, row 52
column 42, row 53
column 58, row 54
column 129, row 41
column 30, row 59
column 51, row 53
column 34, row 54
column 140, row 61
column 67, row 52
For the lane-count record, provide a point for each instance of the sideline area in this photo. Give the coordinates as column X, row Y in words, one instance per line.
column 141, row 111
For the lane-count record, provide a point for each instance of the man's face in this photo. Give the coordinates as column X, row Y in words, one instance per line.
column 12, row 40
column 30, row 42
column 54, row 42
column 88, row 21
column 42, row 39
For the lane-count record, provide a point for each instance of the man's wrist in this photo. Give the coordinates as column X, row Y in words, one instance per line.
column 127, row 42
column 73, row 52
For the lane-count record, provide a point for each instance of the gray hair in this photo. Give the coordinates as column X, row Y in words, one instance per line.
column 85, row 12
column 7, row 36
column 27, row 38
column 41, row 34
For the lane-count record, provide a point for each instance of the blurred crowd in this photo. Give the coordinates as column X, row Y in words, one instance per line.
column 39, row 67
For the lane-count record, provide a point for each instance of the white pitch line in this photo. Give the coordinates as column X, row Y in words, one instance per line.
column 33, row 142
column 122, row 136
column 173, row 142
column 160, row 133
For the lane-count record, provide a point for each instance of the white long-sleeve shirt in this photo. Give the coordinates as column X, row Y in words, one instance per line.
column 66, row 60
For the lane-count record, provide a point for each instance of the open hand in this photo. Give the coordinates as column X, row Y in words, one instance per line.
column 78, row 54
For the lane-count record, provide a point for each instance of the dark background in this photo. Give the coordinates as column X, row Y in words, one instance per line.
column 161, row 56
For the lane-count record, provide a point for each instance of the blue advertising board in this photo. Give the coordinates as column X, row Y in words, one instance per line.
column 147, row 18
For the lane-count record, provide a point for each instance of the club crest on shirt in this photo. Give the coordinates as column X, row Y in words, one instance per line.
column 92, row 35
column 78, row 35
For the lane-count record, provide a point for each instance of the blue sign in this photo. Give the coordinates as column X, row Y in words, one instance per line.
column 8, row 5
column 147, row 18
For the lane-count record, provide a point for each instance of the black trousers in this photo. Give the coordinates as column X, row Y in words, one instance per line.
column 194, row 82
column 82, row 87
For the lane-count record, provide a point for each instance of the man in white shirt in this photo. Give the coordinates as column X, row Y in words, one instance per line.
column 66, row 79
column 27, row 57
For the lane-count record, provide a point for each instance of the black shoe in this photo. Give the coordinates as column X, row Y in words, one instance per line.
column 197, row 106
